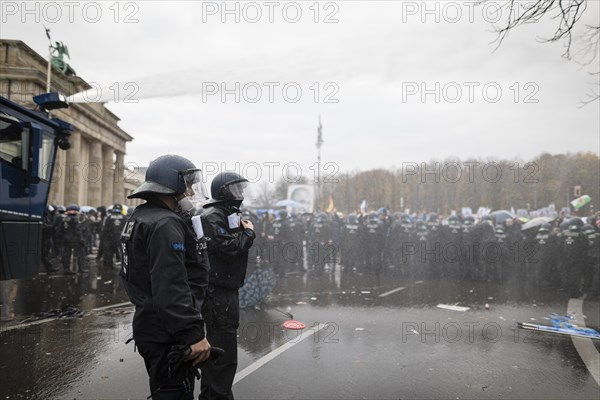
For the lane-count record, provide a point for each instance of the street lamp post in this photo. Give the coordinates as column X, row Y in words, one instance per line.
column 319, row 144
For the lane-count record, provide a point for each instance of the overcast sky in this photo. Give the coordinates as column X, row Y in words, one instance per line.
column 369, row 68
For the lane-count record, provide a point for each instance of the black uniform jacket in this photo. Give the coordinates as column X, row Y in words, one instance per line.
column 163, row 276
column 228, row 247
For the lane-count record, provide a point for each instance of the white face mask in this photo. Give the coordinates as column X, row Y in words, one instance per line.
column 194, row 195
column 185, row 208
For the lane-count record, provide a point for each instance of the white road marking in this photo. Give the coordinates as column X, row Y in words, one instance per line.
column 127, row 303
column 392, row 291
column 265, row 359
column 42, row 321
column 27, row 324
column 584, row 346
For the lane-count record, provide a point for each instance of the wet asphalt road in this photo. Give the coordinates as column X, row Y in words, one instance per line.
column 374, row 340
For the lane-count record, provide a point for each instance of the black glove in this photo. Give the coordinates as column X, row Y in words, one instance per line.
column 180, row 352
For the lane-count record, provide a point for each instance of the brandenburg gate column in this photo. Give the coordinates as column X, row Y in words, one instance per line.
column 57, row 187
column 93, row 173
column 119, row 186
column 72, row 170
column 107, row 176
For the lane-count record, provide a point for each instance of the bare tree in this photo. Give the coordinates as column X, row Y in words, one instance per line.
column 265, row 194
column 567, row 13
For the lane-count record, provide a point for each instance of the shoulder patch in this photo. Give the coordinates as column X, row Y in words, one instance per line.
column 128, row 229
column 177, row 246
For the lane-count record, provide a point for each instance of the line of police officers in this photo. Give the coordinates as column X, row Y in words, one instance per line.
column 564, row 254
column 70, row 232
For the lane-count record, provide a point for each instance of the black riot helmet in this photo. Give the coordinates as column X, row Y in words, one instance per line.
column 487, row 219
column 322, row 217
column 73, row 209
column 564, row 225
column 588, row 229
column 453, row 220
column 546, row 227
column 352, row 219
column 575, row 224
column 171, row 175
column 228, row 186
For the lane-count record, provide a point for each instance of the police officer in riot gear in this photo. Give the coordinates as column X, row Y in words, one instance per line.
column 111, row 230
column 72, row 239
column 280, row 236
column 47, row 238
column 164, row 276
column 484, row 235
column 320, row 246
column 591, row 265
column 421, row 239
column 298, row 232
column 573, row 252
column 352, row 239
column 452, row 247
column 543, row 265
column 230, row 240
column 469, row 258
column 374, row 242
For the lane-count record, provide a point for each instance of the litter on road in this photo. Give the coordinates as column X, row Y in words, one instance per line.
column 453, row 307
column 562, row 326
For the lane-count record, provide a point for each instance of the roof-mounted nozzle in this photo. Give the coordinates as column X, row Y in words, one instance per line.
column 51, row 101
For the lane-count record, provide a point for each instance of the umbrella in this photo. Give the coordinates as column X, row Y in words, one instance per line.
column 536, row 222
column 256, row 287
column 502, row 215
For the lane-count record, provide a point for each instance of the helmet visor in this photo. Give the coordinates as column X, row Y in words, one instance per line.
column 195, row 187
column 237, row 190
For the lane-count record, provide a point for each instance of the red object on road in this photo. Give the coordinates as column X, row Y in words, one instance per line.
column 292, row 324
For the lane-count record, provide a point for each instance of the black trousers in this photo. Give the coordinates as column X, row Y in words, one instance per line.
column 221, row 312
column 162, row 386
column 77, row 248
